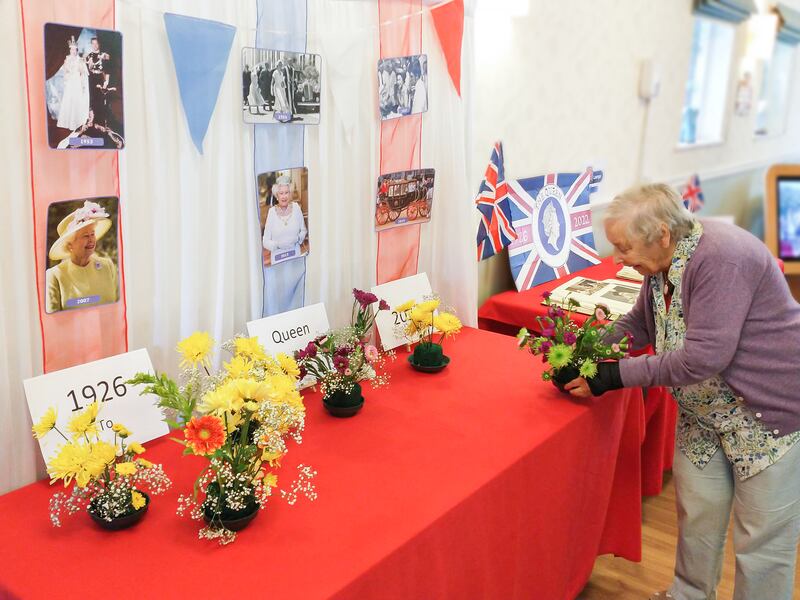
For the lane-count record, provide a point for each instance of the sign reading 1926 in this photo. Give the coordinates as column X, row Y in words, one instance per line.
column 71, row 390
column 90, row 394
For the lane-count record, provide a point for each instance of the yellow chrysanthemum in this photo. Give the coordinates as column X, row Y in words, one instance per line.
column 136, row 448
column 288, row 364
column 144, row 463
column 101, row 455
column 405, row 306
column 126, row 468
column 249, row 389
column 232, row 420
column 282, row 389
column 428, row 306
column 272, row 457
column 68, row 463
column 271, row 480
column 218, row 401
column 420, row 316
column 45, row 424
column 195, row 349
column 137, row 500
column 239, row 367
column 120, row 430
column 250, row 348
column 84, row 422
column 447, row 323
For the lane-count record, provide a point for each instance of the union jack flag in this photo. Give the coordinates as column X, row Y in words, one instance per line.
column 553, row 221
column 693, row 195
column 495, row 231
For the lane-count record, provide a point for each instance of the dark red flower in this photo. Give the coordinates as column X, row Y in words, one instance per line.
column 383, row 305
column 364, row 298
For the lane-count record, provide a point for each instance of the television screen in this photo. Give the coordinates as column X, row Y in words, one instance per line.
column 789, row 218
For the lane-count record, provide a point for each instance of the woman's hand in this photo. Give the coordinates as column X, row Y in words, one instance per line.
column 579, row 388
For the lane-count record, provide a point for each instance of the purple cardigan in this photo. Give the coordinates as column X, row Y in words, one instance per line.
column 741, row 323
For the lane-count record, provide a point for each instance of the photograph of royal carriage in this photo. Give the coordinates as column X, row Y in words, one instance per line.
column 404, row 198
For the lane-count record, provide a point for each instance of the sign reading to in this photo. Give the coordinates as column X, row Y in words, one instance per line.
column 389, row 322
column 291, row 330
column 71, row 390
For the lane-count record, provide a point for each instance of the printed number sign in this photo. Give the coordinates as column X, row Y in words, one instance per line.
column 71, row 390
column 391, row 323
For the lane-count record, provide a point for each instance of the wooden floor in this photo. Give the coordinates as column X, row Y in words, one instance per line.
column 619, row 579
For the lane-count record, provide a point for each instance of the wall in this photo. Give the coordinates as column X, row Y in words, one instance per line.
column 568, row 99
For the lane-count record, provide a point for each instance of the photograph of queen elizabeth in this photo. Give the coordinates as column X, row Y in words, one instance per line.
column 82, row 257
column 283, row 213
column 83, row 87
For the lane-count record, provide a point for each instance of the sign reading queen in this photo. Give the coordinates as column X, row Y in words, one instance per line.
column 553, row 221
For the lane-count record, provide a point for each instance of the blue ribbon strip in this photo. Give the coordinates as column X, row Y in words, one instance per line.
column 281, row 26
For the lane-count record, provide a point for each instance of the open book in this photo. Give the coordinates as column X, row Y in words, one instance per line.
column 618, row 297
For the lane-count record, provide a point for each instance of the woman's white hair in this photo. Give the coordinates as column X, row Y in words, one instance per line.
column 646, row 207
column 281, row 181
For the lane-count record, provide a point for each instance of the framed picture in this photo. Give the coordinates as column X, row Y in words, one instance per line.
column 280, row 86
column 83, row 87
column 283, row 214
column 82, row 254
column 402, row 86
column 404, row 198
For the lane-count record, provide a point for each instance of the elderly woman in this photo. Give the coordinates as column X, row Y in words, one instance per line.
column 285, row 227
column 726, row 333
column 82, row 278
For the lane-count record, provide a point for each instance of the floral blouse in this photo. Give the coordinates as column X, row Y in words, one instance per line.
column 710, row 415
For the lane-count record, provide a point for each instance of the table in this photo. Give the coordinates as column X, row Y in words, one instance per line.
column 508, row 311
column 481, row 481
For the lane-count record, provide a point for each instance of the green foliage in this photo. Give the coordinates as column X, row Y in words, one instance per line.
column 169, row 393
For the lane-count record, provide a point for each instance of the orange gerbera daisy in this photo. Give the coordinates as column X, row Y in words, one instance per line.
column 204, row 434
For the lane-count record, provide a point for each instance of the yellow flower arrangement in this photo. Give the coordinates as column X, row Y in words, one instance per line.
column 105, row 474
column 422, row 322
column 239, row 420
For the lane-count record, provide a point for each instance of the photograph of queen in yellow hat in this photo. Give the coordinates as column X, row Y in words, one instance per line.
column 82, row 237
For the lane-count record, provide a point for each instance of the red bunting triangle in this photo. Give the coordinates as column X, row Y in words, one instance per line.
column 448, row 20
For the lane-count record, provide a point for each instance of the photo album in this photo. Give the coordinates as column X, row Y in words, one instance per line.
column 615, row 295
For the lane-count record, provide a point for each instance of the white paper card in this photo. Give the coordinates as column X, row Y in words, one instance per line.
column 71, row 390
column 396, row 293
column 291, row 330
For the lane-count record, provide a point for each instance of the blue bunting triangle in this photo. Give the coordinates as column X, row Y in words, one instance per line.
column 200, row 50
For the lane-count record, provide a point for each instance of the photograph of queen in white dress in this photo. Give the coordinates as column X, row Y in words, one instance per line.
column 285, row 229
column 74, row 109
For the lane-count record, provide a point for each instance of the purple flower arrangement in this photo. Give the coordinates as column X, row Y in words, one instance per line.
column 569, row 349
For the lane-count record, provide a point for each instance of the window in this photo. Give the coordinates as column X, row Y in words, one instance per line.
column 773, row 98
column 706, row 93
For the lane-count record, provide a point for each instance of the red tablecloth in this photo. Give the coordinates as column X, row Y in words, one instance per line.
column 479, row 482
column 507, row 312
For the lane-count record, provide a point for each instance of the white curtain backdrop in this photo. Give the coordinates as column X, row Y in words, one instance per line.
column 192, row 243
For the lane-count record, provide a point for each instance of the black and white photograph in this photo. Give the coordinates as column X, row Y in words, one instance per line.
column 82, row 253
column 404, row 198
column 283, row 214
column 280, row 86
column 585, row 286
column 403, row 86
column 83, row 87
column 626, row 294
